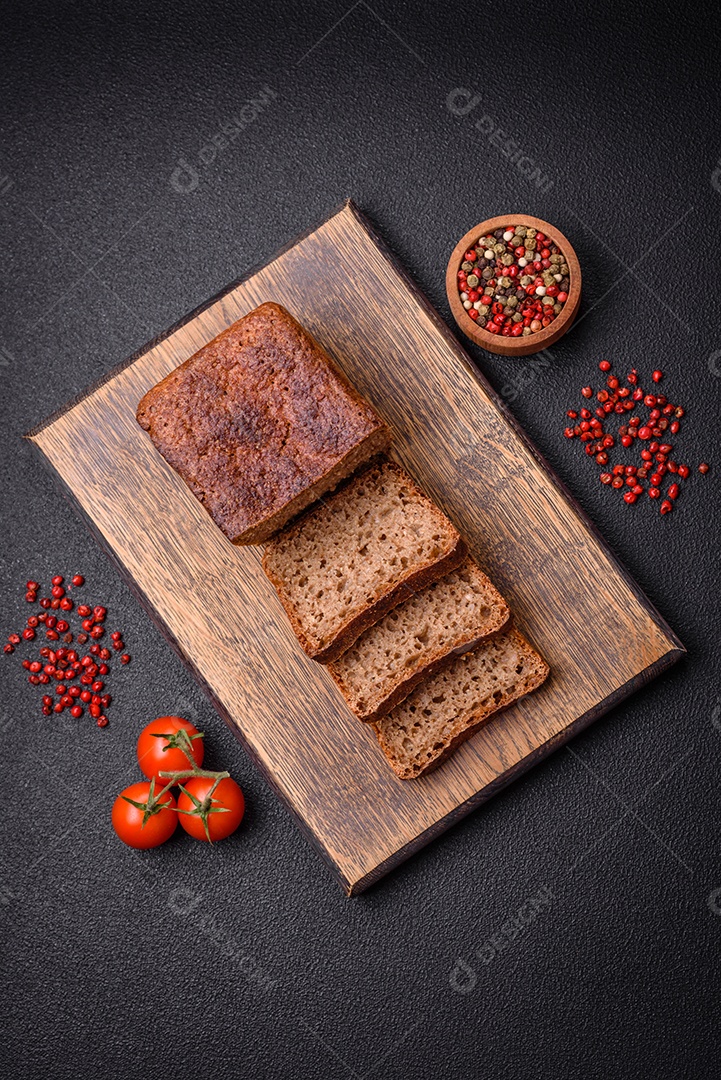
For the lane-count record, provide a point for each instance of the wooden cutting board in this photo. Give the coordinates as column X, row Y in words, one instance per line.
column 214, row 604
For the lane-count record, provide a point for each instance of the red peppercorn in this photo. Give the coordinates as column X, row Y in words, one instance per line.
column 657, row 376
column 78, row 579
column 62, row 626
column 644, row 433
column 102, row 721
column 77, row 711
column 85, row 696
column 683, row 471
column 97, row 686
column 31, row 597
column 118, row 645
column 88, row 624
column 626, row 440
column 605, row 365
column 45, row 602
column 66, row 604
column 587, row 391
column 57, row 580
column 8, row 648
column 29, row 633
column 605, row 478
column 84, row 610
column 629, row 497
column 637, row 489
column 602, row 458
column 103, row 669
column 674, row 426
column 653, row 493
column 57, row 591
column 94, row 710
column 703, row 468
column 125, row 658
column 104, row 654
column 617, row 482
column 673, row 491
column 569, row 433
column 666, row 507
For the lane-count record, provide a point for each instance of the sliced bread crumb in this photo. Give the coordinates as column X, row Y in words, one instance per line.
column 446, row 709
column 430, row 628
column 352, row 557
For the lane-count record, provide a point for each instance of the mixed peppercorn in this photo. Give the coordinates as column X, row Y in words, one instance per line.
column 514, row 282
column 62, row 664
column 649, row 435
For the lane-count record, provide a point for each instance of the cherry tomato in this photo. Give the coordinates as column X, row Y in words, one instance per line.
column 155, row 755
column 128, row 819
column 220, row 824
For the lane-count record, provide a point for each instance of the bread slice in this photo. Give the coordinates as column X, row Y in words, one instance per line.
column 446, row 709
column 425, row 632
column 356, row 554
column 259, row 424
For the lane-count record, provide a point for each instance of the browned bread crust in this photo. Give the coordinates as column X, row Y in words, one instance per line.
column 259, row 424
column 386, row 598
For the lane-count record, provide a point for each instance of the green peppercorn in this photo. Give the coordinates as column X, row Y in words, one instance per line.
column 531, row 232
column 526, row 331
column 472, row 280
column 513, row 300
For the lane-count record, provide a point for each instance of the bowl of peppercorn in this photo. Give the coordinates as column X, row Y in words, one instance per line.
column 514, row 284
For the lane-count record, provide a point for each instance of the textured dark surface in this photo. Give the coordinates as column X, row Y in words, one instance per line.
column 246, row 958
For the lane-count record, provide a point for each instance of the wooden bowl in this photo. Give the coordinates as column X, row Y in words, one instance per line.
column 495, row 343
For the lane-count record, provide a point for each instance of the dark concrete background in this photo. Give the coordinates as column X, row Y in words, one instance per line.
column 246, row 959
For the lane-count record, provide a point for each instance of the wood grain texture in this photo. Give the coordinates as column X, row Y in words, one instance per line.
column 215, row 605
